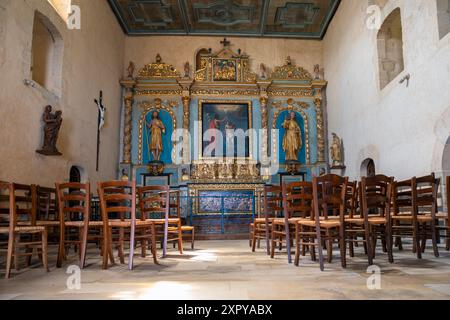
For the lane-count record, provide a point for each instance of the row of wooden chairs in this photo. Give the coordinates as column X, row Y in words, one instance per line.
column 332, row 209
column 69, row 211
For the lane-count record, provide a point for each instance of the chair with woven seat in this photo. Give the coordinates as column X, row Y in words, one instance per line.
column 154, row 203
column 74, row 200
column 296, row 206
column 375, row 199
column 272, row 208
column 414, row 213
column 47, row 213
column 175, row 203
column 17, row 206
column 329, row 199
column 118, row 206
column 444, row 217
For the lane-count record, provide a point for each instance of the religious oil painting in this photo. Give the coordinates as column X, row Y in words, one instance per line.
column 224, row 70
column 231, row 122
column 226, row 201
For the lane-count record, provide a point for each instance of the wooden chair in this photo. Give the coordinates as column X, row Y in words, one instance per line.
column 118, row 200
column 414, row 214
column 154, row 203
column 375, row 198
column 272, row 208
column 47, row 212
column 297, row 206
column 329, row 199
column 74, row 200
column 185, row 229
column 444, row 217
column 18, row 205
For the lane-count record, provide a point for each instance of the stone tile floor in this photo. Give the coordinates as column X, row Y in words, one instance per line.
column 229, row 270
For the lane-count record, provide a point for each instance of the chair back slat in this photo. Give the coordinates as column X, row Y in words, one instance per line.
column 46, row 203
column 375, row 196
column 74, row 201
column 117, row 198
column 425, row 195
column 352, row 198
column 154, row 201
column 272, row 202
column 329, row 196
column 18, row 204
column 297, row 200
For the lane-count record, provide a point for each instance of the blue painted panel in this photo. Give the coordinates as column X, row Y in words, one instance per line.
column 166, row 155
column 300, row 122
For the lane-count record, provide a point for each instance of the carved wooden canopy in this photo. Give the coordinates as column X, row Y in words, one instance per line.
column 225, row 66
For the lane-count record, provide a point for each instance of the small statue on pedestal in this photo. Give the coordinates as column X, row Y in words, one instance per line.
column 316, row 72
column 336, row 151
column 130, row 70
column 52, row 125
column 263, row 70
column 187, row 70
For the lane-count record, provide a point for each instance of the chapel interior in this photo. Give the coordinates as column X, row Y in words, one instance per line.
column 224, row 149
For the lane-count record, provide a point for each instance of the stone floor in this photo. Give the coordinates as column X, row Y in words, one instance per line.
column 228, row 270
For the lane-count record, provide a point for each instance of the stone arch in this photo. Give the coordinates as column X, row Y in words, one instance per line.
column 368, row 168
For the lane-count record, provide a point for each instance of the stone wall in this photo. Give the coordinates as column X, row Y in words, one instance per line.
column 92, row 61
column 403, row 128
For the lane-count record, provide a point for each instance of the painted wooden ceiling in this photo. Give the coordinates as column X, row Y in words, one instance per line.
column 307, row 19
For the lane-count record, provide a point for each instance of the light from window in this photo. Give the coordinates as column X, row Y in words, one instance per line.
column 47, row 54
column 62, row 7
column 390, row 48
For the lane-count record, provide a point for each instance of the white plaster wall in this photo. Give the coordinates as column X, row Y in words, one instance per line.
column 93, row 61
column 404, row 129
column 177, row 50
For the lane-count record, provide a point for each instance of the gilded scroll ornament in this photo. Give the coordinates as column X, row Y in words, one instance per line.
column 226, row 171
column 158, row 70
column 225, row 92
column 158, row 92
column 290, row 72
column 290, row 92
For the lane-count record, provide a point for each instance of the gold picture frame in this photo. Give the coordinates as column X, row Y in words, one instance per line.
column 201, row 102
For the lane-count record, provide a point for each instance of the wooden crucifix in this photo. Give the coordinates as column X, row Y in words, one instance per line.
column 100, row 123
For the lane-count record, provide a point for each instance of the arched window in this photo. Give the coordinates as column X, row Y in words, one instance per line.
column 47, row 54
column 198, row 57
column 368, row 168
column 75, row 174
column 390, row 48
column 62, row 7
column 443, row 15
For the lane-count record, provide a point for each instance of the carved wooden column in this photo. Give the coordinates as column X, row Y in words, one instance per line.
column 186, row 99
column 127, row 120
column 264, row 98
column 318, row 85
column 320, row 131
